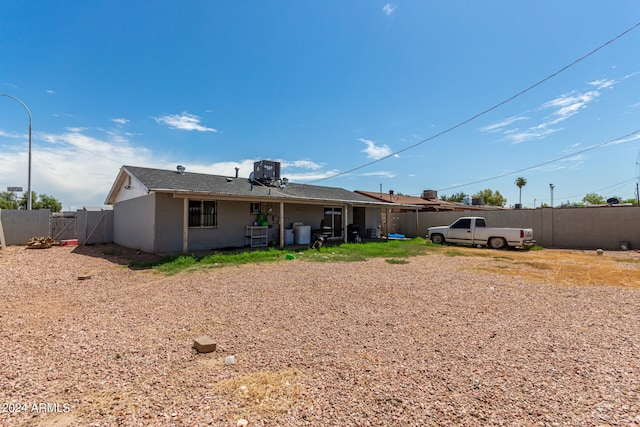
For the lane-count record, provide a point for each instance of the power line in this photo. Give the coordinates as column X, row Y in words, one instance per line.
column 482, row 113
column 593, row 147
column 618, row 185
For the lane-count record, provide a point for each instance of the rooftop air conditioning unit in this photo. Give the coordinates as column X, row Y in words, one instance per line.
column 429, row 194
column 266, row 171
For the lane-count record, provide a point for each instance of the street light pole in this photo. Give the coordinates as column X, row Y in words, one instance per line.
column 551, row 186
column 30, row 122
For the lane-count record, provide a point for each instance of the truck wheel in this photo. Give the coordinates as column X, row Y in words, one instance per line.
column 438, row 239
column 497, row 243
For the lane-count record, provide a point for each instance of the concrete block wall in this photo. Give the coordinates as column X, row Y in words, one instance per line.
column 571, row 228
column 20, row 225
column 89, row 227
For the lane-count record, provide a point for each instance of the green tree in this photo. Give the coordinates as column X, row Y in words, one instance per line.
column 23, row 200
column 490, row 197
column 42, row 202
column 456, row 197
column 48, row 202
column 633, row 201
column 8, row 200
column 520, row 182
column 594, row 199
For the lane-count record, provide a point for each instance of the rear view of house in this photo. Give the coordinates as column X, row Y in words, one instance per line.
column 165, row 211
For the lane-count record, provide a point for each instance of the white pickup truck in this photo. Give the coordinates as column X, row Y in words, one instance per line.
column 473, row 231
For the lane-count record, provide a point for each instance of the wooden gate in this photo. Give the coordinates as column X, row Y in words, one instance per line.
column 64, row 227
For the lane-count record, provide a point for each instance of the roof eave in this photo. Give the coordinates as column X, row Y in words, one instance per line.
column 234, row 196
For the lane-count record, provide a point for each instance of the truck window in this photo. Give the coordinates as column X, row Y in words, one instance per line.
column 480, row 222
column 462, row 223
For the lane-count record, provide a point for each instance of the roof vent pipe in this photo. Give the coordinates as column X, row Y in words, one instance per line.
column 237, row 169
column 180, row 169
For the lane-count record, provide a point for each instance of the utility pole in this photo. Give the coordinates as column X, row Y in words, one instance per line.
column 30, row 121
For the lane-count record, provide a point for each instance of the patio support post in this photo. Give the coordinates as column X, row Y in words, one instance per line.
column 281, row 224
column 185, row 225
column 345, row 222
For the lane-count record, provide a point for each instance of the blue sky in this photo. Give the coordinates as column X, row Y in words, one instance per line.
column 325, row 88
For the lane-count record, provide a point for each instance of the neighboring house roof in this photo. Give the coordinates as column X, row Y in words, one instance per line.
column 430, row 204
column 167, row 181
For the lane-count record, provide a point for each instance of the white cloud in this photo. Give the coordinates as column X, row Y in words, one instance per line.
column 388, row 9
column 120, row 121
column 562, row 108
column 384, row 174
column 184, row 121
column 13, row 135
column 627, row 139
column 76, row 129
column 497, row 127
column 569, row 104
column 76, row 168
column 374, row 151
column 518, row 137
column 288, row 169
column 302, row 164
column 245, row 167
column 310, row 176
column 602, row 84
column 49, row 91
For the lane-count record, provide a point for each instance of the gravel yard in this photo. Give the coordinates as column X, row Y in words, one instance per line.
column 441, row 340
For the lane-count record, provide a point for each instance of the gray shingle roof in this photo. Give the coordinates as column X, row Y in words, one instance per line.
column 171, row 181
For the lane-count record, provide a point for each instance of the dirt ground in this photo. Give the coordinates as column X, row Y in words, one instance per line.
column 457, row 337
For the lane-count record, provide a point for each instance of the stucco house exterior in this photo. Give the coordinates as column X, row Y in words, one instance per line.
column 164, row 211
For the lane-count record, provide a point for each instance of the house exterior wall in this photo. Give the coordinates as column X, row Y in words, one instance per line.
column 307, row 214
column 314, row 214
column 154, row 223
column 373, row 221
column 232, row 218
column 130, row 188
column 134, row 223
column 168, row 226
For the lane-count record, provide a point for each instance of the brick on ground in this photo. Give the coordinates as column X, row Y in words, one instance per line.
column 204, row 344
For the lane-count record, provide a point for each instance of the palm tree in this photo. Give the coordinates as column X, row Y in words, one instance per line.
column 521, row 182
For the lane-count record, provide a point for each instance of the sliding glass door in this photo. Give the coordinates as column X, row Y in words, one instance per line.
column 332, row 223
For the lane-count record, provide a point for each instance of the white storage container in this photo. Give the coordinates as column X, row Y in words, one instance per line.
column 288, row 236
column 302, row 234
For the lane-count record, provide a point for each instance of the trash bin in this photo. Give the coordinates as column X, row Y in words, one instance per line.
column 353, row 233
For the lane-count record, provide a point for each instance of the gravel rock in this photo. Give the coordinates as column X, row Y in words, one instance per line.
column 436, row 341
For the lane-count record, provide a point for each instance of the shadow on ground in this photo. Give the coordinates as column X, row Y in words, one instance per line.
column 132, row 258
